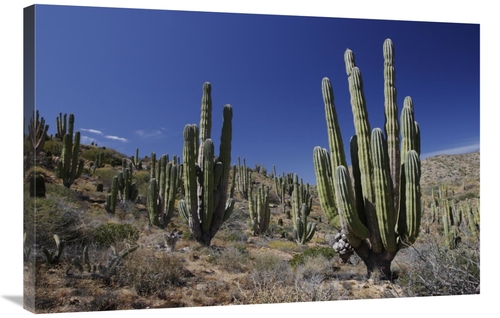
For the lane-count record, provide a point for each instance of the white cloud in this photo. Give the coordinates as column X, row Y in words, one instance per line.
column 145, row 134
column 94, row 131
column 116, row 138
column 453, row 151
column 86, row 140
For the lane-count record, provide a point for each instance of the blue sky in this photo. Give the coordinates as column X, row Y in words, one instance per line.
column 133, row 79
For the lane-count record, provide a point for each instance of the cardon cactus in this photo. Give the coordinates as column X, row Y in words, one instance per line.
column 128, row 189
column 381, row 212
column 243, row 179
column 37, row 132
column 70, row 167
column 136, row 161
column 206, row 176
column 62, row 125
column 303, row 231
column 260, row 212
column 162, row 192
column 111, row 198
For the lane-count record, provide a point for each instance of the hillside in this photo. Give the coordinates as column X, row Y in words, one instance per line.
column 238, row 267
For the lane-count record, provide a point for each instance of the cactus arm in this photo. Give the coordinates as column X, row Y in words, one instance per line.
column 324, row 183
column 354, row 229
column 208, row 185
column 205, row 119
column 334, row 134
column 190, row 178
column 384, row 204
column 412, row 193
column 391, row 120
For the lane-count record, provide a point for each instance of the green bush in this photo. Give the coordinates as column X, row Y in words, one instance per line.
column 54, row 146
column 54, row 214
column 141, row 179
column 312, row 252
column 110, row 233
column 109, row 155
column 105, row 175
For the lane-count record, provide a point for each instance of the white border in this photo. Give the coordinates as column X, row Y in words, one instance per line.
column 11, row 101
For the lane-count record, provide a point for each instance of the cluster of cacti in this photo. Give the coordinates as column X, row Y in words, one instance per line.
column 381, row 213
column 99, row 271
column 456, row 218
column 70, row 167
column 53, row 256
column 303, row 231
column 243, row 179
column 136, row 161
column 259, row 210
column 37, row 132
column 126, row 186
column 206, row 176
column 162, row 191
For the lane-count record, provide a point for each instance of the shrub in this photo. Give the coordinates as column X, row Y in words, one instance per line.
column 313, row 252
column 431, row 269
column 110, row 233
column 54, row 146
column 141, row 179
column 54, row 214
column 232, row 258
column 109, row 155
column 148, row 273
column 285, row 246
column 105, row 175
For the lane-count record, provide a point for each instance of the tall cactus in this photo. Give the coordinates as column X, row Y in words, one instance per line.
column 206, row 176
column 381, row 212
column 37, row 132
column 62, row 125
column 244, row 179
column 70, row 167
column 260, row 212
column 111, row 198
column 136, row 161
column 162, row 191
column 303, row 231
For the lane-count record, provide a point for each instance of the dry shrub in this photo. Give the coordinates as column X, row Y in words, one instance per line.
column 273, row 280
column 232, row 258
column 431, row 269
column 148, row 272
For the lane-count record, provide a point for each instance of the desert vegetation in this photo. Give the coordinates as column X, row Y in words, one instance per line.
column 103, row 231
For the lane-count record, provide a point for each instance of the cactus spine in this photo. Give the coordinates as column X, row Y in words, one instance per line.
column 70, row 167
column 381, row 213
column 206, row 177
